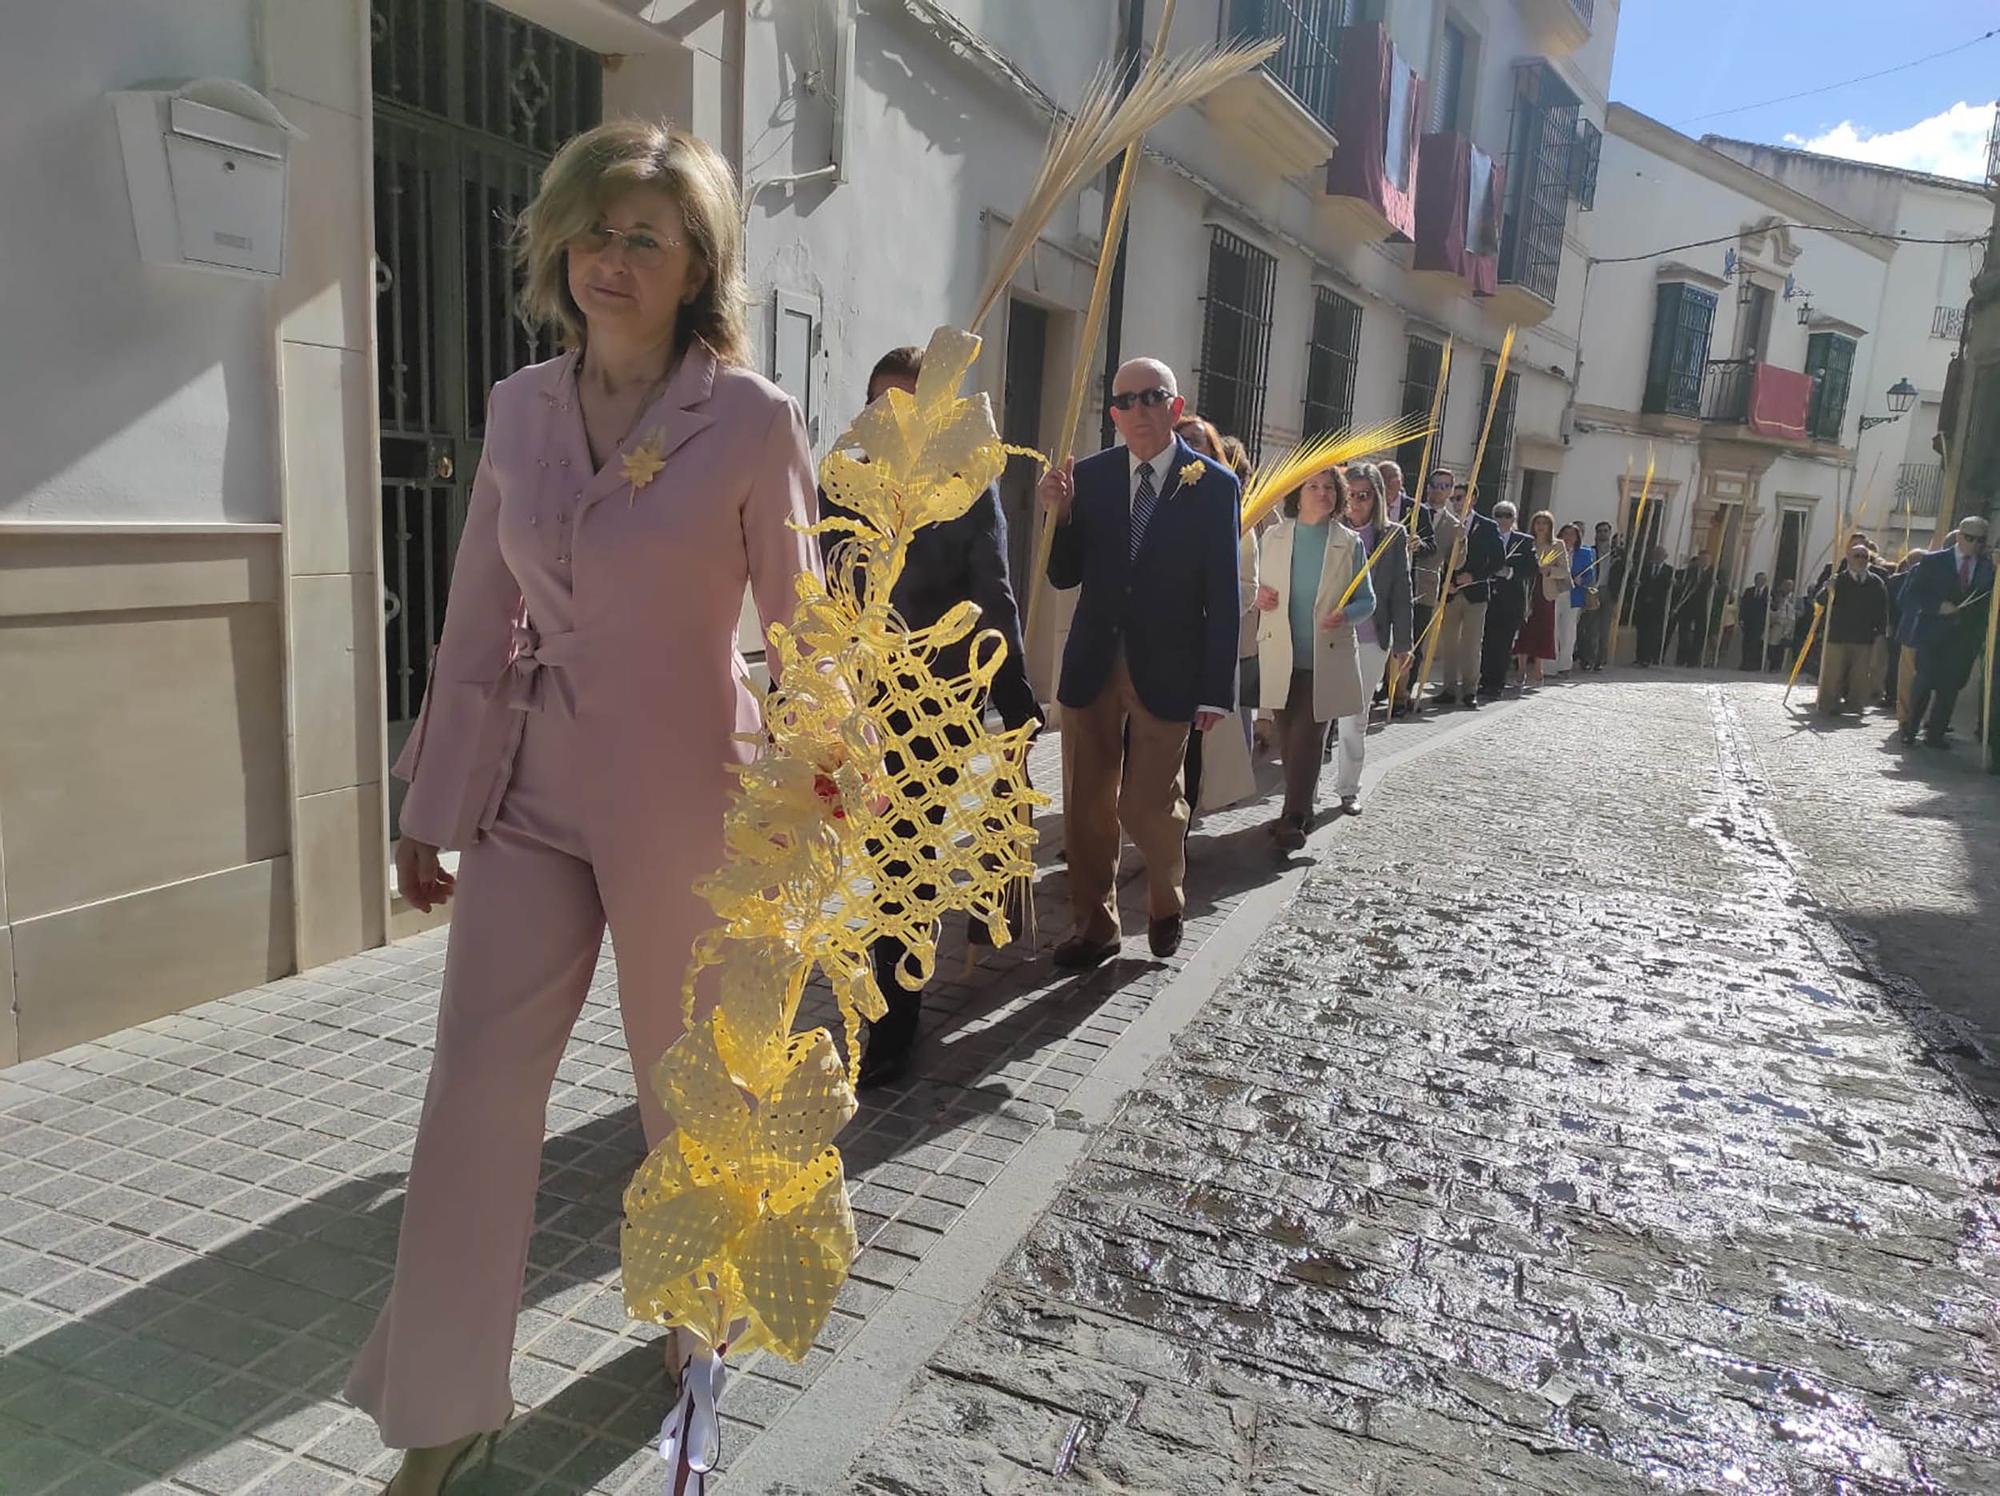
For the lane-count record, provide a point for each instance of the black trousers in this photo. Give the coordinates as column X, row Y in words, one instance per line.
column 897, row 1029
column 1652, row 637
column 1941, row 675
column 1496, row 649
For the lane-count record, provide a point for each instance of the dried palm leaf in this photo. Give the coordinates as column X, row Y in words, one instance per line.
column 1273, row 480
column 1105, row 124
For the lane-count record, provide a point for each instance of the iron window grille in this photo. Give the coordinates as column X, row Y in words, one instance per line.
column 1948, row 322
column 1683, row 321
column 1542, row 141
column 1332, row 356
column 1308, row 62
column 1421, row 367
column 470, row 102
column 1584, row 163
column 1919, row 489
column 1236, row 336
column 1830, row 362
column 1499, row 459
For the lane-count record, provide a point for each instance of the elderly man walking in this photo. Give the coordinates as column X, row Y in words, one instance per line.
column 1148, row 531
column 1943, row 618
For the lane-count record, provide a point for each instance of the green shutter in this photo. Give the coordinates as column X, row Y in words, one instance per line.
column 1830, row 362
column 1683, row 318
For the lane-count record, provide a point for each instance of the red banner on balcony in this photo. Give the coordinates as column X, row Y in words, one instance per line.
column 1778, row 400
column 1378, row 102
column 1459, row 192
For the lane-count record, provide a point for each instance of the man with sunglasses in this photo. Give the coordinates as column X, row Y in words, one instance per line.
column 1148, row 531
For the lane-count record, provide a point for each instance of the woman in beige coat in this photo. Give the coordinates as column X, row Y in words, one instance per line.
column 584, row 710
column 1309, row 665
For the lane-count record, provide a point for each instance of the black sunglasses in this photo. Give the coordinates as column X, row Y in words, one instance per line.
column 1152, row 399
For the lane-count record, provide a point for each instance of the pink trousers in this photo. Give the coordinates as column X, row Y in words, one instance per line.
column 534, row 896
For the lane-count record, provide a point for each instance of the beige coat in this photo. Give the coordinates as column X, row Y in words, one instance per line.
column 1336, row 661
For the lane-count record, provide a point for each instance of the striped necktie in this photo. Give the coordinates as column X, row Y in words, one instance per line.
column 1142, row 508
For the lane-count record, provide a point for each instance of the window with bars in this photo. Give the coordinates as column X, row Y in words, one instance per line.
column 1542, row 141
column 1589, row 152
column 1830, row 362
column 1499, row 458
column 1448, row 78
column 1331, row 357
column 1310, row 58
column 1683, row 320
column 1421, row 367
column 1236, row 336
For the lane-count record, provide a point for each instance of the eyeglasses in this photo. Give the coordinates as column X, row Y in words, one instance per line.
column 1152, row 399
column 643, row 251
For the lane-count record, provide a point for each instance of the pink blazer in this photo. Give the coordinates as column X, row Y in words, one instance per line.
column 574, row 591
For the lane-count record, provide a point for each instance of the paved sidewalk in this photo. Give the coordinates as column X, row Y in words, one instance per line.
column 1551, row 1140
column 198, row 1217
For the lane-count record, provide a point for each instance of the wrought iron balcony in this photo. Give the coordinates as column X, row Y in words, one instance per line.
column 1919, row 489
column 1763, row 398
column 1948, row 322
column 1309, row 62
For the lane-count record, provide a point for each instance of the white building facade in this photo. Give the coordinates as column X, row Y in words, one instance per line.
column 228, row 506
column 1748, row 336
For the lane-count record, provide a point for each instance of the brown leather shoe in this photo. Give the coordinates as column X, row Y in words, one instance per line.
column 1081, row 953
column 1165, row 935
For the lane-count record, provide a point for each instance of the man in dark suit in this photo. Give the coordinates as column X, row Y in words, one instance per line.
column 1149, row 532
column 1943, row 618
column 950, row 562
column 1506, row 600
column 1655, row 595
column 1691, row 615
column 1478, row 555
column 1753, row 610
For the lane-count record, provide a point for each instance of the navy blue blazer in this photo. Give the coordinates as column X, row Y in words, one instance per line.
column 1175, row 609
column 1483, row 555
column 1932, row 581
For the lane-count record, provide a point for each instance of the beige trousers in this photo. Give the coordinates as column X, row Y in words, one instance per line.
column 1108, row 785
column 1464, row 629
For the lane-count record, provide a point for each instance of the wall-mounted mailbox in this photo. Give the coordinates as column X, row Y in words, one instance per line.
column 207, row 166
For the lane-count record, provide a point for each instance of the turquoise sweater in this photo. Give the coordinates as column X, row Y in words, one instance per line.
column 1308, row 560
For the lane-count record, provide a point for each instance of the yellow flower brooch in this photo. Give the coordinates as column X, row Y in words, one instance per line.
column 1191, row 474
column 642, row 464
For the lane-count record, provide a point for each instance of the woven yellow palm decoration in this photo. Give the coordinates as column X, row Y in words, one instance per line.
column 880, row 804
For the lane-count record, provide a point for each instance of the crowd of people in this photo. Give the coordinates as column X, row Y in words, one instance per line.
column 587, row 704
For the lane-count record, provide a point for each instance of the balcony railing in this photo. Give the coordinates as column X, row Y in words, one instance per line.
column 1919, row 489
column 1948, row 322
column 1309, row 61
column 1587, row 9
column 1768, row 400
column 1993, row 151
column 1725, row 389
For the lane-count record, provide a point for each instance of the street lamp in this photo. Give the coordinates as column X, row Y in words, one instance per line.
column 1902, row 396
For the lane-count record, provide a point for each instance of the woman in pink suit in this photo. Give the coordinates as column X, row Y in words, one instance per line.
column 576, row 738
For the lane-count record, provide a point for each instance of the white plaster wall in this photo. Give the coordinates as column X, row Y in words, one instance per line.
column 135, row 393
column 933, row 145
column 1647, row 202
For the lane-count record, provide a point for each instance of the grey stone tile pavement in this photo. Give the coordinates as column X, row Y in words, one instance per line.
column 1554, row 1137
column 198, row 1216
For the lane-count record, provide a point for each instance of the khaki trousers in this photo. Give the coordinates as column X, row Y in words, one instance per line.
column 1464, row 629
column 1843, row 677
column 1107, row 785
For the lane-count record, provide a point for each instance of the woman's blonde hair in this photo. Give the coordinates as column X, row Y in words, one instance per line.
column 598, row 166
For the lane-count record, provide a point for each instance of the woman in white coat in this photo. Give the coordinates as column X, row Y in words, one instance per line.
column 1309, row 665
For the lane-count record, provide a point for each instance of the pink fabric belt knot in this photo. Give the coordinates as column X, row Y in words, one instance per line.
column 534, row 657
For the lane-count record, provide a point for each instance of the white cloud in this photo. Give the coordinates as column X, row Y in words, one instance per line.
column 1950, row 144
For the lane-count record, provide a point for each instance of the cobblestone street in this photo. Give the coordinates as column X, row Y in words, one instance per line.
column 1546, row 1133
column 1550, row 1140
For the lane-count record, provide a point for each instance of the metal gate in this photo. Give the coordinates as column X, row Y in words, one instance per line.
column 470, row 103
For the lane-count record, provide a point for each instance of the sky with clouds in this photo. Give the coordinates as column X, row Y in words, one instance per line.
column 1696, row 64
